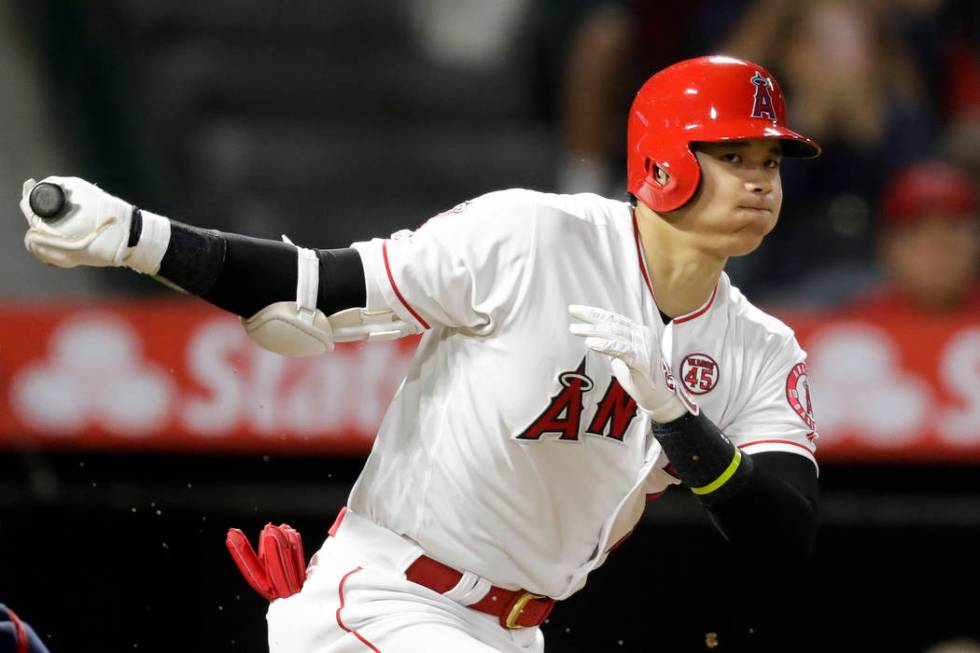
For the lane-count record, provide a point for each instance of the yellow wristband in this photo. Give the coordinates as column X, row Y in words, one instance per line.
column 723, row 478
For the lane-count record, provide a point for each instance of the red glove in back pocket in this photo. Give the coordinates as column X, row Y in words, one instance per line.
column 279, row 569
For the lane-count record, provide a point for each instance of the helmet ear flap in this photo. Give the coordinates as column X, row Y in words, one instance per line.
column 666, row 187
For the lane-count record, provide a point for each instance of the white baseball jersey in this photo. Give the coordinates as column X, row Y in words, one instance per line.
column 510, row 450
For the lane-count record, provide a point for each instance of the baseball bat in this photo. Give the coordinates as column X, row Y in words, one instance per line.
column 48, row 201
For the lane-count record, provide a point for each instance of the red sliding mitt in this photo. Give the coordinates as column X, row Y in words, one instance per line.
column 279, row 569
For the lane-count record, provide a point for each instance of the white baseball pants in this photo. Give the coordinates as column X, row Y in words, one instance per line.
column 356, row 599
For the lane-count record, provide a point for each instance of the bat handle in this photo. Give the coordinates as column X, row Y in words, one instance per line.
column 48, row 201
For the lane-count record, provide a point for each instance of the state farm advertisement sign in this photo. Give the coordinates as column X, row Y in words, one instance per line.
column 183, row 375
column 890, row 386
column 180, row 375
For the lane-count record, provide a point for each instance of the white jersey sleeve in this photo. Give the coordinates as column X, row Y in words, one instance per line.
column 463, row 268
column 778, row 415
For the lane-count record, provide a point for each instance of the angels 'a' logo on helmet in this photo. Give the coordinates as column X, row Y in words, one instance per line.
column 762, row 107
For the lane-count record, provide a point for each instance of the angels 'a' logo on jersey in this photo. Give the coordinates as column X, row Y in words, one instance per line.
column 699, row 373
column 798, row 394
column 563, row 414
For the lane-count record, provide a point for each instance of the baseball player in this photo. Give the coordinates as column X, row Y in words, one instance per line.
column 578, row 356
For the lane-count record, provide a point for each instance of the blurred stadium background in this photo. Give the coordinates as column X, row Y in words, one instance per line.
column 136, row 426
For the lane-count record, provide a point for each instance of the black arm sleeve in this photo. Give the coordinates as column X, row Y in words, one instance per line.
column 773, row 516
column 244, row 275
column 766, row 504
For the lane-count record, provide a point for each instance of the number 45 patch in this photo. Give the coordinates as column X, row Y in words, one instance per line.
column 699, row 373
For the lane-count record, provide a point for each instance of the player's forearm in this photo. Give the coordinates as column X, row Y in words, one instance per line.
column 772, row 518
column 243, row 275
column 763, row 504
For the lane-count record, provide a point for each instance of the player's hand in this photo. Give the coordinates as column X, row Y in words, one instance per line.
column 636, row 359
column 279, row 568
column 94, row 231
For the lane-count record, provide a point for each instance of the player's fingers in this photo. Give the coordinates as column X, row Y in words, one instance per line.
column 639, row 385
column 620, row 370
column 25, row 203
column 607, row 346
column 605, row 330
column 43, row 236
column 624, row 365
column 52, row 256
column 597, row 315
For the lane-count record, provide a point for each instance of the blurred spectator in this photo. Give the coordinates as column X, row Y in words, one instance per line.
column 962, row 64
column 944, row 38
column 930, row 242
column 17, row 636
column 603, row 51
column 853, row 85
column 468, row 33
column 591, row 99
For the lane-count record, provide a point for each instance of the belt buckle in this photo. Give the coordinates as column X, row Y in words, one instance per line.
column 518, row 608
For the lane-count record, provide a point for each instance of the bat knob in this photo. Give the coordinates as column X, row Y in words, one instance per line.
column 48, row 201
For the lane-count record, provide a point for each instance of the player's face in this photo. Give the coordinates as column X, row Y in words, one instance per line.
column 739, row 197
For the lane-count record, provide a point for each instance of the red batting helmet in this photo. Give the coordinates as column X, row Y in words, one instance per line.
column 708, row 99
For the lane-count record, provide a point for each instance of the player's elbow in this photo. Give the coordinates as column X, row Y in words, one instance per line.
column 781, row 539
column 792, row 541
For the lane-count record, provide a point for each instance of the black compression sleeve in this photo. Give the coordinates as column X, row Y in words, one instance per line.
column 193, row 259
column 341, row 280
column 763, row 504
column 255, row 273
column 243, row 275
column 773, row 517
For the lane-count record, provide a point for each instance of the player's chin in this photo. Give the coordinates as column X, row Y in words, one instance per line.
column 750, row 231
column 744, row 241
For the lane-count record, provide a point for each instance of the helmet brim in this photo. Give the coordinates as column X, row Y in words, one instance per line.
column 795, row 145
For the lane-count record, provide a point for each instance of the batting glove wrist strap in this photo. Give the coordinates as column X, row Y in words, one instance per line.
column 703, row 457
column 151, row 244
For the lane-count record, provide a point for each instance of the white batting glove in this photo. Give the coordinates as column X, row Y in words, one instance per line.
column 636, row 359
column 94, row 231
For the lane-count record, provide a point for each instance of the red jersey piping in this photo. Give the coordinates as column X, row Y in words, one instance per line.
column 391, row 280
column 701, row 311
column 646, row 278
column 774, row 441
column 340, row 622
column 23, row 643
column 639, row 255
column 336, row 523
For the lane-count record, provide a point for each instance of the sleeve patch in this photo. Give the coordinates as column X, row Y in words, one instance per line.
column 798, row 394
